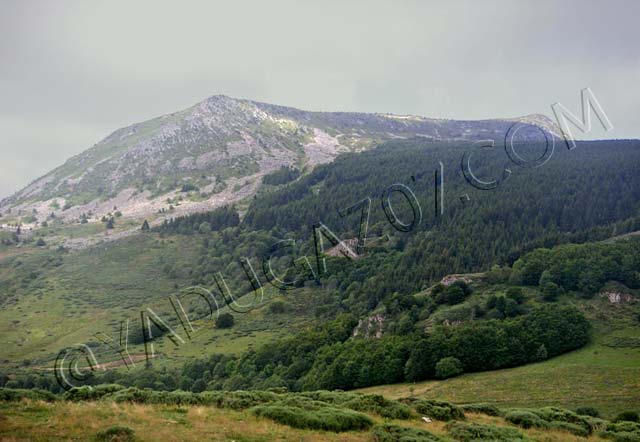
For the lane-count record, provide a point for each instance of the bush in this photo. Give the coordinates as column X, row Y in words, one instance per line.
column 454, row 294
column 225, row 320
column 571, row 428
column 551, row 291
column 554, row 415
column 624, row 431
column 628, row 416
column 372, row 403
column 133, row 394
column 588, row 411
column 188, row 187
column 477, row 432
column 116, row 434
column 526, row 419
column 377, row 404
column 596, row 423
column 17, row 394
column 511, row 308
column 277, row 307
column 488, row 409
column 86, row 393
column 204, row 227
column 555, row 418
column 516, row 294
column 448, row 367
column 395, row 433
column 327, row 418
column 439, row 410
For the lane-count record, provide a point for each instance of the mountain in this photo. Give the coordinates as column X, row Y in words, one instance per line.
column 215, row 153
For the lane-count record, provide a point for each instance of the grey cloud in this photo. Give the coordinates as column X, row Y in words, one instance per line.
column 75, row 71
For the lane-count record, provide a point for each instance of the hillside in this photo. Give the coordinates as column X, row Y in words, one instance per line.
column 604, row 374
column 48, row 292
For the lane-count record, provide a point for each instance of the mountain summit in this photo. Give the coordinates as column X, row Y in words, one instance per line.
column 215, row 153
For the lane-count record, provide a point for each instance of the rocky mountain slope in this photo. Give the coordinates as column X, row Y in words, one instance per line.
column 215, row 153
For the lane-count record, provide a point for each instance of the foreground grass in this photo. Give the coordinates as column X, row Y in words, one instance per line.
column 41, row 421
column 36, row 421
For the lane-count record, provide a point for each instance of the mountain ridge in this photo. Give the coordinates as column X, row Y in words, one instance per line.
column 215, row 153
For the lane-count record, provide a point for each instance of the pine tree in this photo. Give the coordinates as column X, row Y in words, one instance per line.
column 145, row 225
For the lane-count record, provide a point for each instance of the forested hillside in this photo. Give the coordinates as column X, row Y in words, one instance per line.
column 381, row 317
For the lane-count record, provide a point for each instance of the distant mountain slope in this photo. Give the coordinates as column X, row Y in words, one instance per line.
column 215, row 153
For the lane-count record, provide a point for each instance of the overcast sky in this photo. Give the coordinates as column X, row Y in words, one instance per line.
column 72, row 72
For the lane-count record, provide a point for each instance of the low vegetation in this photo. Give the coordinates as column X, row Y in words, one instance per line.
column 147, row 415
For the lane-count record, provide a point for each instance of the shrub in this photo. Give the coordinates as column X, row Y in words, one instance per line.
column 571, row 428
column 372, row 403
column 439, row 410
column 132, row 394
column 327, row 418
column 116, row 434
column 595, row 423
column 488, row 409
column 17, row 394
column 240, row 400
column 477, row 432
column 438, row 288
column 511, row 308
column 516, row 294
column 551, row 291
column 452, row 295
column 379, row 405
column 588, row 411
column 629, row 416
column 225, row 320
column 395, row 433
column 86, row 393
column 277, row 307
column 448, row 367
column 562, row 415
column 624, row 431
column 188, row 187
column 555, row 418
column 525, row 419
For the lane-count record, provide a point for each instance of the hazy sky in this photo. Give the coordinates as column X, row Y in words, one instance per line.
column 72, row 72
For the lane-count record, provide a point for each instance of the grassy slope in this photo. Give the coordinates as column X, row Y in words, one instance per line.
column 605, row 374
column 41, row 421
column 95, row 288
